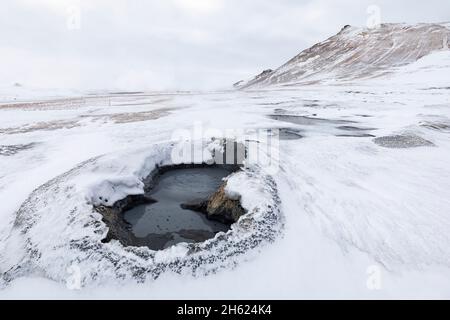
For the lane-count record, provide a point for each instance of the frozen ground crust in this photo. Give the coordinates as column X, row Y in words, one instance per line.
column 402, row 141
column 64, row 206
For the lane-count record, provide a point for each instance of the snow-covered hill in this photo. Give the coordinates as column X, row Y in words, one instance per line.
column 358, row 53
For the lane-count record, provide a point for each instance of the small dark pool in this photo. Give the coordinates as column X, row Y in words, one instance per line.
column 165, row 223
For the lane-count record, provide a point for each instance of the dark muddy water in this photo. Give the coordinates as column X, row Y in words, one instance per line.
column 165, row 223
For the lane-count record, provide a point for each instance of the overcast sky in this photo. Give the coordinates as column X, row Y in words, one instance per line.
column 173, row 44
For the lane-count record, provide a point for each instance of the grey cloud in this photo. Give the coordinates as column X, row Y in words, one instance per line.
column 173, row 44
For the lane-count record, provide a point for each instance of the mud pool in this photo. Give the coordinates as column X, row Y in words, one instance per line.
column 165, row 223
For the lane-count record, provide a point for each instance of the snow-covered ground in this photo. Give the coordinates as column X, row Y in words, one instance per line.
column 361, row 220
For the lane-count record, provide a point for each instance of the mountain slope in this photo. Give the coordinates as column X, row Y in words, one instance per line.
column 357, row 53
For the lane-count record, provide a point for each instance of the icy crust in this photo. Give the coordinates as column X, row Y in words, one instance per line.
column 57, row 228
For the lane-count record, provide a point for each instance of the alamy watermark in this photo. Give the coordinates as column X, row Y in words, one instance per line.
column 252, row 147
column 374, row 19
column 73, row 281
column 73, row 17
column 374, row 278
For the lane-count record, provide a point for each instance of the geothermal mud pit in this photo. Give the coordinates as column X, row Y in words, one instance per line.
column 175, row 208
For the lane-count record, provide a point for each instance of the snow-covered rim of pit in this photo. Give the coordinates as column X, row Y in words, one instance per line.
column 57, row 228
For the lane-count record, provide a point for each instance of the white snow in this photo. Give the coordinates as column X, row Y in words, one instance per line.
column 353, row 211
column 431, row 71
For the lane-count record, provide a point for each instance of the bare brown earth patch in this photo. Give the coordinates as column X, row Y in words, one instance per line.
column 115, row 100
column 127, row 117
column 57, row 104
column 39, row 126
